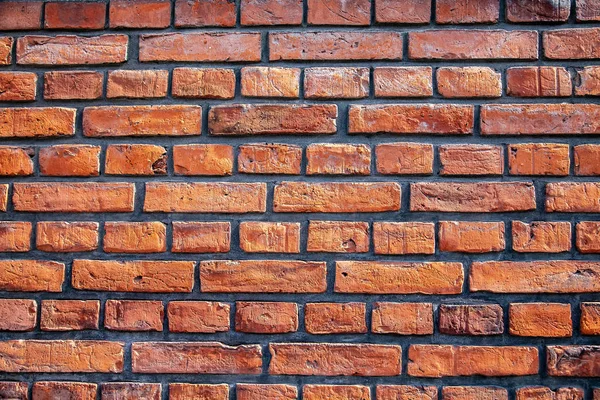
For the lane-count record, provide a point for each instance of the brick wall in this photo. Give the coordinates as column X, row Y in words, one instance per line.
column 300, row 199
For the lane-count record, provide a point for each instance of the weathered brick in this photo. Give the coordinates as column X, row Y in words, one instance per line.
column 17, row 16
column 338, row 237
column 266, row 317
column 588, row 10
column 333, row 359
column 271, row 82
column 535, row 277
column 18, row 315
column 195, row 358
column 64, row 390
column 402, row 318
column 339, row 12
column 140, row 14
column 403, row 81
column 271, row 12
column 538, row 11
column 203, row 159
column 270, row 237
column 588, row 82
column 3, row 197
column 31, row 276
column 472, row 196
column 338, row 159
column 329, row 318
column 472, row 44
column 338, row 46
column 265, row 119
column 195, row 13
column 411, row 118
column 115, row 121
column 73, row 85
column 269, row 159
column 590, row 319
column 259, row 276
column 463, row 319
column 64, row 237
column 477, row 12
column 201, row 237
column 588, row 236
column 388, row 277
column 6, row 45
column 69, row 315
column 133, row 315
column 471, row 237
column 16, row 161
column 80, row 15
column 471, row 159
column 474, row 393
column 15, row 236
column 187, row 391
column 198, row 316
column 142, row 84
column 70, row 160
column 540, row 319
column 133, row 276
column 405, row 392
column 37, row 122
column 542, row 237
column 404, row 237
column 336, row 197
column 135, row 159
column 201, row 46
column 572, row 44
column 205, row 197
column 457, row 82
column 336, row 392
column 404, row 12
column 14, row 390
column 586, row 156
column 17, row 86
column 545, row 393
column 336, row 83
column 436, row 361
column 250, row 391
column 575, row 361
column 538, row 82
column 203, row 83
column 131, row 391
column 71, row 50
column 572, row 197
column 538, row 159
column 404, row 158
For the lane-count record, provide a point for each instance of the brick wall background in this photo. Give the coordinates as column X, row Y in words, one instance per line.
column 300, row 199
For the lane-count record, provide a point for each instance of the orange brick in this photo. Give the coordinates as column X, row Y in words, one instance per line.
column 538, row 82
column 31, row 276
column 62, row 237
column 3, row 197
column 6, row 45
column 20, row 16
column 573, row 44
column 16, row 390
column 404, row 158
column 17, row 86
column 474, row 393
column 18, row 315
column 140, row 14
column 203, row 83
column 135, row 237
column 405, row 392
column 271, row 12
column 335, row 392
column 70, row 160
column 269, row 159
column 405, row 12
column 588, row 82
column 404, row 237
column 15, row 236
column 329, row 318
column 572, row 197
column 540, row 319
column 587, row 236
column 463, row 319
column 250, row 391
column 133, row 315
column 186, row 391
column 403, row 81
column 586, row 156
column 336, row 83
column 131, row 391
column 266, row 317
column 543, row 237
column 271, row 82
column 270, row 237
column 198, row 316
column 545, row 393
column 142, row 84
column 135, row 159
column 16, row 161
column 338, row 237
column 203, row 159
column 73, row 85
column 471, row 159
column 590, row 319
column 402, row 318
column 338, row 159
column 471, row 237
column 195, row 13
column 37, row 122
column 457, row 82
column 201, row 237
column 339, row 12
column 72, row 50
column 81, row 15
column 69, row 315
column 56, row 390
column 538, row 159
column 479, row 12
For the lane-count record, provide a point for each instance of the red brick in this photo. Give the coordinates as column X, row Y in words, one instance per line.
column 472, row 197
column 140, row 14
column 540, row 319
column 338, row 46
column 71, row 50
column 37, row 122
column 471, row 159
column 538, row 82
column 336, row 197
column 329, row 318
column 474, row 393
column 588, row 80
column 201, row 46
column 403, row 81
column 31, row 276
column 62, row 237
column 18, row 315
column 73, row 85
column 3, row 197
column 411, row 119
column 15, row 236
column 260, row 276
column 133, row 276
column 17, row 86
column 477, row 12
column 402, row 319
column 16, row 161
column 271, row 82
column 203, row 159
column 135, row 237
column 336, row 392
column 472, row 44
column 6, row 45
column 404, row 158
column 404, row 392
column 70, row 160
column 544, row 393
column 535, row 277
column 187, row 391
column 133, row 315
column 81, row 15
column 572, row 44
column 590, row 319
column 270, row 237
column 339, row 12
column 203, row 83
column 586, row 156
column 205, row 197
column 338, row 159
column 28, row 356
column 198, row 316
column 270, row 119
column 338, row 237
column 336, row 83
column 404, row 237
column 435, row 361
column 135, row 159
column 404, row 12
column 17, row 16
column 572, row 197
column 538, row 159
column 250, row 391
column 383, row 277
column 131, row 391
column 266, row 317
column 116, row 121
column 484, row 319
column 458, row 82
column 271, row 12
column 195, row 13
column 270, row 159
column 588, row 239
column 471, row 237
column 195, row 358
column 588, row 10
column 64, row 390
column 575, row 361
column 542, row 237
column 14, row 390
column 142, row 84
column 201, row 237
column 69, row 315
column 538, row 11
